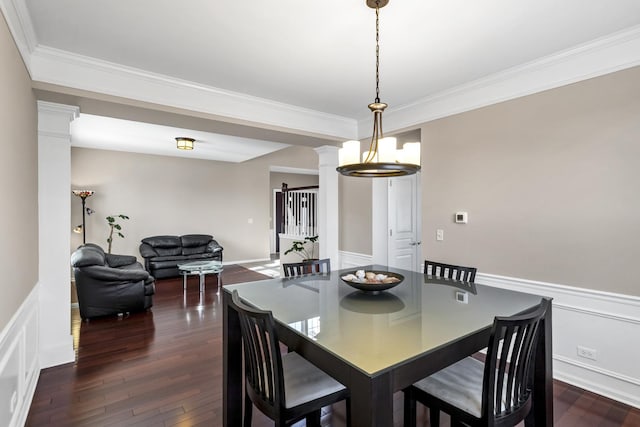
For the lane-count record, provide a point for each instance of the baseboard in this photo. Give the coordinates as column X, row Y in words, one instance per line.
column 601, row 321
column 353, row 259
column 19, row 362
column 246, row 261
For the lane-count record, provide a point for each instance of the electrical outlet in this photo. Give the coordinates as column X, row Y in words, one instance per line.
column 439, row 234
column 462, row 297
column 587, row 353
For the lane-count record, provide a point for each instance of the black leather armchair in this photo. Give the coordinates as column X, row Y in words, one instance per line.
column 110, row 284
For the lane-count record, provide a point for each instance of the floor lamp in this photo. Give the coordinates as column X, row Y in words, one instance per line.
column 83, row 194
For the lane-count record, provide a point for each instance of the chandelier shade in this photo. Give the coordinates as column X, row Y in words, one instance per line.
column 383, row 159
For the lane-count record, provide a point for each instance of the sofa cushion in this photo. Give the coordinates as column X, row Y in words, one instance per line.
column 195, row 240
column 164, row 252
column 163, row 242
column 117, row 261
column 194, row 250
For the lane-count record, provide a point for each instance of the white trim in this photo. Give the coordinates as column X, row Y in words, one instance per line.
column 54, row 66
column 625, row 378
column 607, row 321
column 245, row 261
column 354, row 259
column 300, row 171
column 617, row 387
column 604, row 321
column 604, row 55
column 19, row 21
column 14, row 338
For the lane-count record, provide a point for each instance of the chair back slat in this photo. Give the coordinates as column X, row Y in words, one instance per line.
column 450, row 271
column 263, row 361
column 509, row 366
column 319, row 266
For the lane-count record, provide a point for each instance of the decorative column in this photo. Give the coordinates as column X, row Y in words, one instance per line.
column 328, row 213
column 54, row 222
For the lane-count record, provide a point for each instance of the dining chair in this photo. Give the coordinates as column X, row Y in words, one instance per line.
column 307, row 267
column 285, row 387
column 495, row 393
column 449, row 271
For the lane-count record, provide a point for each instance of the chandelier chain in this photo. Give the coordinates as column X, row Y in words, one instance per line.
column 377, row 53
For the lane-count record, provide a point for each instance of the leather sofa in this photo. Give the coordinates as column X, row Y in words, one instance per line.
column 109, row 284
column 162, row 254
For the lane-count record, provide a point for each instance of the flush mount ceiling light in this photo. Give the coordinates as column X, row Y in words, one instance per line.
column 383, row 160
column 184, row 143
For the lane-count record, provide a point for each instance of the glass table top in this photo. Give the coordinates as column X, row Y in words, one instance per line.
column 374, row 332
column 208, row 266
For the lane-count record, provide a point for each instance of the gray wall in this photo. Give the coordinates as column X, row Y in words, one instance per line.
column 18, row 179
column 167, row 195
column 550, row 181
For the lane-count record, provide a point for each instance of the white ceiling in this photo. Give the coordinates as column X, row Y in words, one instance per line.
column 318, row 57
column 100, row 132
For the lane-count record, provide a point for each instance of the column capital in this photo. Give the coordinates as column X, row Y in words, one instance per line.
column 327, row 156
column 54, row 119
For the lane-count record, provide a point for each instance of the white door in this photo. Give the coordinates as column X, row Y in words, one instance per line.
column 404, row 250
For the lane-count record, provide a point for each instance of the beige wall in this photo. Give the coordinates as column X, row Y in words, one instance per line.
column 18, row 179
column 167, row 195
column 355, row 214
column 551, row 183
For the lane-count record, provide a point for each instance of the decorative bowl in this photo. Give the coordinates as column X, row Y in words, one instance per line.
column 374, row 287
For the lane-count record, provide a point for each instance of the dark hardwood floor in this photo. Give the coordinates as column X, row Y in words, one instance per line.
column 164, row 368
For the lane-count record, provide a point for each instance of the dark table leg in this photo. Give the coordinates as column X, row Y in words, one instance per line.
column 371, row 401
column 541, row 414
column 232, row 365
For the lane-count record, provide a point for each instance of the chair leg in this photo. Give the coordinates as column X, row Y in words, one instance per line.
column 313, row 419
column 434, row 417
column 409, row 410
column 248, row 409
column 348, row 403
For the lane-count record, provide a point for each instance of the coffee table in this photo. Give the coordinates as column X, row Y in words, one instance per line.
column 200, row 268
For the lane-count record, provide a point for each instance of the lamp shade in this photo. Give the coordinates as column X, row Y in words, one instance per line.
column 410, row 153
column 349, row 153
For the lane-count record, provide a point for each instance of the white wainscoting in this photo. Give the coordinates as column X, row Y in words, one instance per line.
column 19, row 362
column 352, row 259
column 605, row 322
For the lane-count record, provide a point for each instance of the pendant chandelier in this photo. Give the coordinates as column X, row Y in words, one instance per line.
column 383, row 160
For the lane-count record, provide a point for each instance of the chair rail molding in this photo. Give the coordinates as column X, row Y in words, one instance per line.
column 602, row 323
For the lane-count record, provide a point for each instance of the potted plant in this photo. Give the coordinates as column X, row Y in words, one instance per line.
column 305, row 249
column 112, row 220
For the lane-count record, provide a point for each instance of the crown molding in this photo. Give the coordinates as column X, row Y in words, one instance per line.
column 605, row 55
column 602, row 56
column 20, row 25
column 63, row 68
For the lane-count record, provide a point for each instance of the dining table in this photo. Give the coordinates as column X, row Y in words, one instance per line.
column 377, row 343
